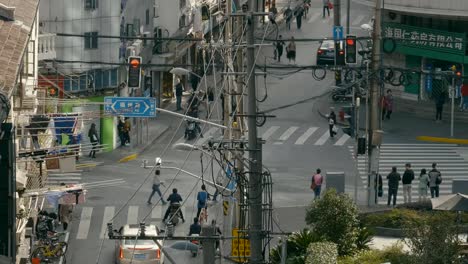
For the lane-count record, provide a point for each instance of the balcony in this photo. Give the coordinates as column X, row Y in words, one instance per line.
column 46, row 46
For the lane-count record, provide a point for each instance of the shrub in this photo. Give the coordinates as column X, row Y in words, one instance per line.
column 322, row 253
column 335, row 218
column 297, row 245
column 392, row 254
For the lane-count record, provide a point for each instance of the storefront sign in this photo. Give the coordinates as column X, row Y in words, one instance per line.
column 417, row 37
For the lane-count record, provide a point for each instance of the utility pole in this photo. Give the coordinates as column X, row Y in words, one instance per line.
column 209, row 249
column 375, row 134
column 336, row 22
column 255, row 162
column 348, row 10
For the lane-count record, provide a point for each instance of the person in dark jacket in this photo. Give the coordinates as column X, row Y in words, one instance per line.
column 94, row 139
column 288, row 14
column 120, row 130
column 440, row 101
column 195, row 228
column 299, row 13
column 332, row 122
column 174, row 198
column 408, row 177
column 178, row 92
column 393, row 180
column 435, row 179
column 280, row 47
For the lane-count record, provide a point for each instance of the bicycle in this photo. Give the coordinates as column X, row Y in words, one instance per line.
column 49, row 249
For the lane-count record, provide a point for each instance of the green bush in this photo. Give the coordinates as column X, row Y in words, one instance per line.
column 335, row 219
column 297, row 245
column 322, row 253
column 393, row 254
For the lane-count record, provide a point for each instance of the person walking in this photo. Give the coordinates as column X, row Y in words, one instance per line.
column 127, row 129
column 393, row 180
column 387, row 105
column 120, row 130
column 464, row 95
column 94, row 139
column 202, row 198
column 440, row 101
column 316, row 185
column 291, row 50
column 156, row 187
column 65, row 214
column 299, row 13
column 326, row 6
column 408, row 177
column 279, row 47
column 423, row 183
column 332, row 122
column 288, row 14
column 435, row 179
column 178, row 93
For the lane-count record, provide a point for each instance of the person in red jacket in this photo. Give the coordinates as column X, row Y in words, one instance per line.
column 464, row 94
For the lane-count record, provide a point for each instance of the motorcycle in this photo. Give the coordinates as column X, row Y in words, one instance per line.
column 196, row 242
column 174, row 214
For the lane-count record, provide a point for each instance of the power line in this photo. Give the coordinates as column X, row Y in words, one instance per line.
column 130, row 37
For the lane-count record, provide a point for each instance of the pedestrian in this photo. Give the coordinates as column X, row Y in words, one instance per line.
column 120, row 129
column 65, row 213
column 288, row 14
column 379, row 183
column 291, row 50
column 423, row 184
column 93, row 137
column 387, row 105
column 393, row 179
column 326, row 6
column 408, row 177
column 316, row 184
column 299, row 13
column 178, row 92
column 195, row 228
column 464, row 94
column 279, row 47
column 440, row 101
column 173, row 199
column 332, row 122
column 435, row 179
column 156, row 187
column 127, row 129
column 306, row 7
column 202, row 198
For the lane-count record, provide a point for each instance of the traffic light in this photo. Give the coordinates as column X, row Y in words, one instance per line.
column 52, row 91
column 351, row 50
column 134, row 72
column 339, row 53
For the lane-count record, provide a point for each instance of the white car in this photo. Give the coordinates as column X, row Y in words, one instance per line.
column 143, row 251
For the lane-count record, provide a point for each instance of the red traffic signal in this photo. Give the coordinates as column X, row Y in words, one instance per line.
column 350, row 42
column 134, row 62
column 350, row 50
column 134, row 72
column 458, row 73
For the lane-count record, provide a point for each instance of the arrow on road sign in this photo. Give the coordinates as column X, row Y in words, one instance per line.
column 337, row 32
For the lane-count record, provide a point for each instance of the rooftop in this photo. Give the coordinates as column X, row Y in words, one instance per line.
column 16, row 20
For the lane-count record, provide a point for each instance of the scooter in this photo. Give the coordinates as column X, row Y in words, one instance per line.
column 196, row 242
column 190, row 130
column 174, row 214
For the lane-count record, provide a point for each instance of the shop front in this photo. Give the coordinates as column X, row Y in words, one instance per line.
column 426, row 50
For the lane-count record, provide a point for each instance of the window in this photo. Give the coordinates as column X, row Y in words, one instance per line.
column 182, row 21
column 91, row 4
column 130, row 31
column 136, row 26
column 147, row 17
column 91, row 40
column 182, row 3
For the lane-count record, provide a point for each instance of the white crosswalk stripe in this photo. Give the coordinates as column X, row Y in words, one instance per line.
column 270, row 132
column 323, row 138
column 286, row 134
column 91, row 223
column 302, row 139
column 449, row 162
column 67, row 178
column 342, row 140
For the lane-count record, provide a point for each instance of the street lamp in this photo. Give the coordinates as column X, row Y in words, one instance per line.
column 183, row 71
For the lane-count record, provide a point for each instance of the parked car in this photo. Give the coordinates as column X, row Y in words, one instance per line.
column 326, row 53
column 144, row 251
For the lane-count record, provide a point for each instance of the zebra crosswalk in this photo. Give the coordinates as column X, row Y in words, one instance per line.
column 92, row 221
column 449, row 163
column 281, row 135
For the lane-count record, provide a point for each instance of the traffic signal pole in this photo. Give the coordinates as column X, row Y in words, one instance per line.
column 374, row 115
column 336, row 22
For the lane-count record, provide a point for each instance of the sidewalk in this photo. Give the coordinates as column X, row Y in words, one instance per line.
column 409, row 120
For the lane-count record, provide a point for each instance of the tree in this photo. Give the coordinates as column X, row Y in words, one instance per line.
column 434, row 240
column 335, row 218
column 297, row 244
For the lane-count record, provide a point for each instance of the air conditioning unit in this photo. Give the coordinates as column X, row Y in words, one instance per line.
column 130, row 51
column 138, row 44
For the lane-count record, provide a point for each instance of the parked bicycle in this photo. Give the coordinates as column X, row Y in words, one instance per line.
column 50, row 248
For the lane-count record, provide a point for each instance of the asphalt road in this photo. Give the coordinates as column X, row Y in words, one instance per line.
column 296, row 144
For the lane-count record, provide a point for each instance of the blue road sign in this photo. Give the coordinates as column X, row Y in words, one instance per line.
column 130, row 106
column 337, row 32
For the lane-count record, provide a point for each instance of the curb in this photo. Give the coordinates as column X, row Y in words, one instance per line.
column 443, row 140
column 67, row 237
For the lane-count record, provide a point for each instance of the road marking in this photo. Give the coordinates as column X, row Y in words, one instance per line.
column 342, row 140
column 85, row 223
column 286, row 135
column 62, row 258
column 132, row 216
column 302, row 139
column 323, row 138
column 269, row 132
column 357, row 20
column 314, row 17
column 157, row 212
column 108, row 214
